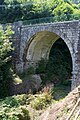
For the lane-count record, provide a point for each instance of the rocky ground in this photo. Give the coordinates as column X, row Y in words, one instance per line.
column 61, row 110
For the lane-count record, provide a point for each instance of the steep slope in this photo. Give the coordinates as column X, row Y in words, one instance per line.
column 62, row 110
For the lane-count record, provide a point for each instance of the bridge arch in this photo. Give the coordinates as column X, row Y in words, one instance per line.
column 40, row 45
column 69, row 32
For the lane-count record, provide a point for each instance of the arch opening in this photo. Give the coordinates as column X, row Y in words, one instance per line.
column 53, row 49
column 60, row 63
column 40, row 45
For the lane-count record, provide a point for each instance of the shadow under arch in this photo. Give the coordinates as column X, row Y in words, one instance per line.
column 59, row 69
column 60, row 60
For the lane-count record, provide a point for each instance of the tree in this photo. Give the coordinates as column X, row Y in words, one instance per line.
column 76, row 14
column 16, row 10
column 63, row 12
column 5, row 59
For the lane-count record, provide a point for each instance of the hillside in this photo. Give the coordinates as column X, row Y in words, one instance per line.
column 61, row 110
column 40, row 106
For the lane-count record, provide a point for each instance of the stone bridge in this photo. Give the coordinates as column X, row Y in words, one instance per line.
column 33, row 42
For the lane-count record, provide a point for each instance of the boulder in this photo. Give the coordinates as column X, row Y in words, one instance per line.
column 30, row 85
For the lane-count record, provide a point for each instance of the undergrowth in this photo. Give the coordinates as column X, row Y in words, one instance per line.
column 15, row 107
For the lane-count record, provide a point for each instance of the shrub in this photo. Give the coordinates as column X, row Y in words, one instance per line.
column 11, row 102
column 22, row 99
column 15, row 114
column 26, row 115
column 11, row 108
column 41, row 101
column 5, row 60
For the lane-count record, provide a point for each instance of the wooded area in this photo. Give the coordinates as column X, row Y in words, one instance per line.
column 53, row 10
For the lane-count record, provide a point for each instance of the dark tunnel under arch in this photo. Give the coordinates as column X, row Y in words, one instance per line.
column 60, row 61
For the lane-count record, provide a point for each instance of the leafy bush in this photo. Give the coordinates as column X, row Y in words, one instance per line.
column 11, row 108
column 41, row 101
column 12, row 102
column 14, row 114
column 22, row 99
column 25, row 115
column 5, row 60
column 63, row 9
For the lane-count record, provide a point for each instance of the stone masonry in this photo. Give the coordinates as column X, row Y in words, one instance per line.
column 31, row 41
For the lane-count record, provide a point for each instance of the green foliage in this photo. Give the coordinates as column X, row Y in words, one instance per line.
column 76, row 14
column 5, row 59
column 63, row 12
column 11, row 108
column 15, row 107
column 59, row 10
column 41, row 101
column 26, row 115
column 18, row 107
column 5, row 44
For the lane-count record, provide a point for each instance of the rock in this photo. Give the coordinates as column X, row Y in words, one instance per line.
column 31, row 84
column 35, row 82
